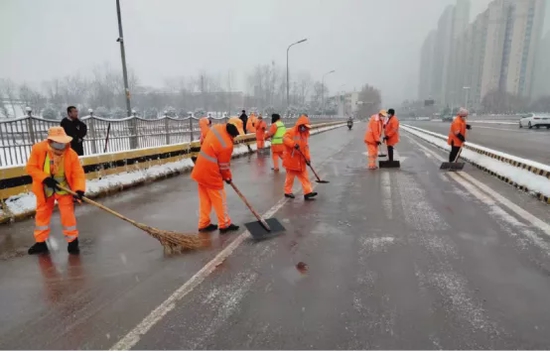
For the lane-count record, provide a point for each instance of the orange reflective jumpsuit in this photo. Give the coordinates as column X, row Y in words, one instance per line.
column 277, row 146
column 210, row 171
column 204, row 124
column 372, row 139
column 261, row 127
column 293, row 161
column 391, row 134
column 457, row 136
column 251, row 124
column 64, row 168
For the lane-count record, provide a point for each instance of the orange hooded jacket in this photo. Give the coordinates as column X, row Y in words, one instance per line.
column 457, row 126
column 213, row 163
column 391, row 131
column 251, row 124
column 292, row 159
column 74, row 173
column 374, row 130
column 261, row 128
column 204, row 124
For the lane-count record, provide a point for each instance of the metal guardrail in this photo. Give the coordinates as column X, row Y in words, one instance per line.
column 17, row 136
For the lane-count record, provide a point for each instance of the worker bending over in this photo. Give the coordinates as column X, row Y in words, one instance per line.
column 211, row 170
column 297, row 157
column 52, row 163
column 261, row 127
column 457, row 133
column 373, row 137
column 391, row 132
column 276, row 132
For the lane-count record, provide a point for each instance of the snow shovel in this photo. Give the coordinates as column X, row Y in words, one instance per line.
column 318, row 179
column 393, row 164
column 261, row 229
column 455, row 165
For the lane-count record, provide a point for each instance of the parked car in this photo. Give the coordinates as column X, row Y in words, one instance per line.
column 447, row 118
column 535, row 120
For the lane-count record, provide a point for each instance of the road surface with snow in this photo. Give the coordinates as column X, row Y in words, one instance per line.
column 525, row 143
column 393, row 259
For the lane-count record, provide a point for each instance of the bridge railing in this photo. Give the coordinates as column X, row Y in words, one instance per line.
column 17, row 136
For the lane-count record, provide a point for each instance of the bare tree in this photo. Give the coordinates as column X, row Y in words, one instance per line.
column 9, row 90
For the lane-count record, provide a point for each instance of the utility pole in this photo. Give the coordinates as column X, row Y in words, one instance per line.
column 287, row 74
column 133, row 129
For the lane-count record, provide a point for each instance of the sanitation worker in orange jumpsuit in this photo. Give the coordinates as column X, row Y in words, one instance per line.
column 276, row 133
column 391, row 132
column 211, row 170
column 52, row 163
column 457, row 133
column 204, row 123
column 261, row 127
column 373, row 137
column 251, row 123
column 297, row 157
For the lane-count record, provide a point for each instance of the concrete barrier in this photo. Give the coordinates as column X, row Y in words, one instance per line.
column 115, row 172
column 524, row 174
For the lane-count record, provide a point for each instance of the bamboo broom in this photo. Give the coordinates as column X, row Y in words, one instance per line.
column 173, row 242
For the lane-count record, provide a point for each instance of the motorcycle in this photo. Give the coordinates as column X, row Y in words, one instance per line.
column 350, row 124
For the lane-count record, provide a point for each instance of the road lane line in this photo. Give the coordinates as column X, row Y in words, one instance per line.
column 134, row 335
column 468, row 181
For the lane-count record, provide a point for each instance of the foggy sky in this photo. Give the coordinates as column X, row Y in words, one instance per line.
column 365, row 41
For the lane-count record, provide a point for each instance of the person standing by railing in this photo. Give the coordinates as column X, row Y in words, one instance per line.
column 75, row 128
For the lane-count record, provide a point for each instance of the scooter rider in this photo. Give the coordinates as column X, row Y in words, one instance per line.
column 350, row 122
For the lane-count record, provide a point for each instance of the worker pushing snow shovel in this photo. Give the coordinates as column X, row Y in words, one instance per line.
column 457, row 137
column 391, row 138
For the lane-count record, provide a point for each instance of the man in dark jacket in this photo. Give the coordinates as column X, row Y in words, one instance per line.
column 244, row 119
column 75, row 128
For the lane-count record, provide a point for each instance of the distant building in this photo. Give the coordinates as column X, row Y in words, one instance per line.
column 427, row 57
column 541, row 84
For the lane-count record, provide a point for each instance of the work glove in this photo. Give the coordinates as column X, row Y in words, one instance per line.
column 50, row 182
column 461, row 137
column 384, row 139
column 308, row 162
column 379, row 143
column 296, row 146
column 468, row 127
column 79, row 195
column 228, row 181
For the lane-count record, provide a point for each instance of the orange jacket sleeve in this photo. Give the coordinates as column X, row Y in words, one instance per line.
column 34, row 169
column 79, row 177
column 224, row 162
column 391, row 128
column 288, row 139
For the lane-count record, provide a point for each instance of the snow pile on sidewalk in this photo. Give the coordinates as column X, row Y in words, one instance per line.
column 534, row 183
column 25, row 203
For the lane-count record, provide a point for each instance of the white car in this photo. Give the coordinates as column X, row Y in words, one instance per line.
column 535, row 120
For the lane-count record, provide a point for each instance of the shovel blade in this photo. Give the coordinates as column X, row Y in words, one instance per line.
column 322, row 181
column 259, row 232
column 452, row 166
column 389, row 164
column 382, row 155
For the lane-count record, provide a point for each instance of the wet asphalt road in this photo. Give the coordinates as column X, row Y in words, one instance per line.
column 526, row 143
column 392, row 259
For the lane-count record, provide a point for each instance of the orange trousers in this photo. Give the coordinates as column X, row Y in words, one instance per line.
column 277, row 151
column 372, row 154
column 217, row 199
column 260, row 143
column 302, row 176
column 44, row 213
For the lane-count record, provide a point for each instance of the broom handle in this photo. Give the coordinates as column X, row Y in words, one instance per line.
column 458, row 154
column 100, row 206
column 309, row 164
column 247, row 204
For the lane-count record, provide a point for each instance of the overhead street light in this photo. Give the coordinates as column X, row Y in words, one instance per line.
column 287, row 73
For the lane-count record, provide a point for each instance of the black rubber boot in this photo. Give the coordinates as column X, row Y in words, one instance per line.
column 38, row 248
column 73, row 248
column 209, row 228
column 229, row 228
column 290, row 195
column 390, row 153
column 310, row 196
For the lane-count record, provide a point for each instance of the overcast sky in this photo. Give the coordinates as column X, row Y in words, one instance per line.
column 365, row 41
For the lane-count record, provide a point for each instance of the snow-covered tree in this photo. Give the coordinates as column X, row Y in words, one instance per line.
column 119, row 113
column 170, row 111
column 50, row 113
column 102, row 111
column 151, row 113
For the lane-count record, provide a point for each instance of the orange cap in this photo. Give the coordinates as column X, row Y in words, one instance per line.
column 57, row 134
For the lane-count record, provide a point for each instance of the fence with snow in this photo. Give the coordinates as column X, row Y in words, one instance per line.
column 17, row 136
column 525, row 174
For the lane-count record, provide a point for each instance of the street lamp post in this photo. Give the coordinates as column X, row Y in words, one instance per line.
column 287, row 74
column 467, row 89
column 323, row 90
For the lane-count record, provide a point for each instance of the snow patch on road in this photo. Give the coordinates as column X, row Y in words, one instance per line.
column 377, row 244
column 522, row 177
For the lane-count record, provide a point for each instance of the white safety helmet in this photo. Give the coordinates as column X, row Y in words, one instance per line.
column 462, row 112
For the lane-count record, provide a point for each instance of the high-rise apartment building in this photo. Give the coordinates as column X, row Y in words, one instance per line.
column 541, row 84
column 427, row 57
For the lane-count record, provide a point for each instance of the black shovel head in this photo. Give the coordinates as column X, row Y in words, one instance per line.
column 259, row 232
column 389, row 164
column 382, row 155
column 451, row 166
column 321, row 181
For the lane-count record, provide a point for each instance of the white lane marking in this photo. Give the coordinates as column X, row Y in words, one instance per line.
column 386, row 195
column 465, row 178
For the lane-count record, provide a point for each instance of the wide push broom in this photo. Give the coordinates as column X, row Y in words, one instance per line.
column 173, row 242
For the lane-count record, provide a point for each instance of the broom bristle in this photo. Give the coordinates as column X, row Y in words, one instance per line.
column 173, row 242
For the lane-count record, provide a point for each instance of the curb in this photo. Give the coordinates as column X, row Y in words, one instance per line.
column 8, row 217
